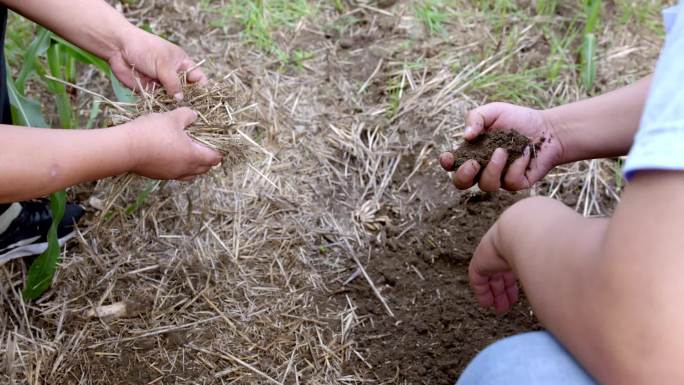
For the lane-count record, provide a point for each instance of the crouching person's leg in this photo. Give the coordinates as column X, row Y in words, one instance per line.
column 530, row 359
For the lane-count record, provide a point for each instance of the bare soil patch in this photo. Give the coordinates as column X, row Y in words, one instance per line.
column 421, row 272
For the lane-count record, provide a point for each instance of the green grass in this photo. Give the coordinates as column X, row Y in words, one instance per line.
column 525, row 87
column 641, row 14
column 18, row 36
column 432, row 14
column 395, row 91
column 546, row 7
column 260, row 18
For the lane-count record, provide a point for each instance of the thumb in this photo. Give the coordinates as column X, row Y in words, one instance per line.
column 207, row 156
column 184, row 116
column 479, row 119
column 171, row 82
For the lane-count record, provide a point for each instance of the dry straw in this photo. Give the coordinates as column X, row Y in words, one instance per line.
column 224, row 110
column 223, row 113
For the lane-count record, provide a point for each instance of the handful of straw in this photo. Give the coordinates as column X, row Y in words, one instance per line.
column 223, row 113
column 220, row 117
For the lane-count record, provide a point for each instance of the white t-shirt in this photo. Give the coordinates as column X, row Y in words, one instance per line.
column 659, row 143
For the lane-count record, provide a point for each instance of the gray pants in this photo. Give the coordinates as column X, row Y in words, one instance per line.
column 526, row 359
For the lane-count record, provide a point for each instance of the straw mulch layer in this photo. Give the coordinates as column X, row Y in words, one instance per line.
column 337, row 257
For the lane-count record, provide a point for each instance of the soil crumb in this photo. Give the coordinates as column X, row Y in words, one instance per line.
column 482, row 148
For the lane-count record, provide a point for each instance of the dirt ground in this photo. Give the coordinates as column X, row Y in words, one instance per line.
column 422, row 272
column 263, row 274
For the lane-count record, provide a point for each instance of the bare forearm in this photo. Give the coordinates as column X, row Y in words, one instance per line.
column 91, row 24
column 36, row 162
column 609, row 290
column 642, row 286
column 553, row 251
column 600, row 127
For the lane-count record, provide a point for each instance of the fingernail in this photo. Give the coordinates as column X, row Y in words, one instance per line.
column 469, row 131
column 178, row 97
column 526, row 152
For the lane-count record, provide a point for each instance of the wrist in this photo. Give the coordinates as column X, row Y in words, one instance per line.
column 131, row 144
column 120, row 40
column 559, row 130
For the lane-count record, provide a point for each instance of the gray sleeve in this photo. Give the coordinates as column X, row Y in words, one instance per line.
column 659, row 143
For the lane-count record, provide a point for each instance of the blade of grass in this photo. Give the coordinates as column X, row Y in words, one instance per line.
column 593, row 11
column 142, row 196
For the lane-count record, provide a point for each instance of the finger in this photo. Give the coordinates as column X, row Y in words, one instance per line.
column 483, row 294
column 446, row 160
column 202, row 169
column 197, row 76
column 501, row 304
column 480, row 285
column 481, row 118
column 490, row 180
column 536, row 171
column 511, row 284
column 123, row 72
column 193, row 73
column 187, row 178
column 143, row 81
column 515, row 178
column 169, row 79
column 206, row 156
column 464, row 177
column 184, row 116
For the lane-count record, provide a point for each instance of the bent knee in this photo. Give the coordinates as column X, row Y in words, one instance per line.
column 533, row 359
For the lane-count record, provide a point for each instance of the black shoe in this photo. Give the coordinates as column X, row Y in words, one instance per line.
column 24, row 227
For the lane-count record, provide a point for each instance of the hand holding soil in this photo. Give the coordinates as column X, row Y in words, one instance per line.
column 507, row 146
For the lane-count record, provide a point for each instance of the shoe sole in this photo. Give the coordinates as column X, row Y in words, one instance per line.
column 32, row 249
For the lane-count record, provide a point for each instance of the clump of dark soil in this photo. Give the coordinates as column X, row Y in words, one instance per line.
column 422, row 273
column 481, row 148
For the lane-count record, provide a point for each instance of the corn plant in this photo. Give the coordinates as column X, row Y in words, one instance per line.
column 588, row 49
column 49, row 54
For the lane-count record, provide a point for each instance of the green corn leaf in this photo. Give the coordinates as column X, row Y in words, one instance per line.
column 94, row 112
column 67, row 117
column 25, row 112
column 123, row 94
column 38, row 47
column 42, row 270
column 588, row 61
column 81, row 55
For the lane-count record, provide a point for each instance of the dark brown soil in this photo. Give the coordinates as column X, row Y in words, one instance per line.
column 482, row 148
column 438, row 326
